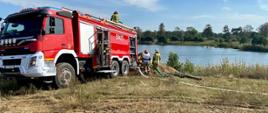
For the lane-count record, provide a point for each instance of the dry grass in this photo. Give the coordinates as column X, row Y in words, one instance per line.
column 137, row 94
column 238, row 70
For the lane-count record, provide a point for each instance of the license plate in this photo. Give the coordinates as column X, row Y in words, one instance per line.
column 9, row 67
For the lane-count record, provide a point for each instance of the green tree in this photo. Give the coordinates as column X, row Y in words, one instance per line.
column 246, row 34
column 162, row 34
column 226, row 33
column 243, row 40
column 177, row 29
column 226, row 29
column 148, row 36
column 237, row 31
column 177, row 34
column 139, row 32
column 173, row 61
column 258, row 39
column 191, row 34
column 263, row 29
column 208, row 32
column 162, row 30
column 248, row 29
column 191, row 30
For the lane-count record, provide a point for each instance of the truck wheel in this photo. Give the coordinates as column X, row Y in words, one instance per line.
column 65, row 76
column 116, row 67
column 125, row 68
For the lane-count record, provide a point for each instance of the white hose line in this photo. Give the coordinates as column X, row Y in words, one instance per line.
column 141, row 73
column 222, row 89
column 210, row 88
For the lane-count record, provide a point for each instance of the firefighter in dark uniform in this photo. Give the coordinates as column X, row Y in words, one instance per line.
column 140, row 59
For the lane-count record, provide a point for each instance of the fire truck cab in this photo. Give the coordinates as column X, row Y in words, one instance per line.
column 61, row 45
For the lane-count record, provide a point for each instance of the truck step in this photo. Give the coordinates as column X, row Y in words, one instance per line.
column 48, row 81
column 106, row 71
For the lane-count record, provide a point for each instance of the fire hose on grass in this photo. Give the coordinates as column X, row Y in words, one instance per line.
column 155, row 66
column 160, row 73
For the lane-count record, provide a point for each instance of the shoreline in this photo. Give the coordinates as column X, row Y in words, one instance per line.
column 248, row 48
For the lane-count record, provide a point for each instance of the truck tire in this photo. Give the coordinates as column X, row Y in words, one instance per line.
column 125, row 68
column 65, row 76
column 116, row 67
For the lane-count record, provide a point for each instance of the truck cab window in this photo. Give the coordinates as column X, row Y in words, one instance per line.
column 54, row 26
column 14, row 27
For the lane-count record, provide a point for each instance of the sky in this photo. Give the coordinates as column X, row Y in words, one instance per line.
column 148, row 14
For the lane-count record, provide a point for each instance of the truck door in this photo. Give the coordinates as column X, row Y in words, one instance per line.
column 133, row 49
column 54, row 38
column 103, row 53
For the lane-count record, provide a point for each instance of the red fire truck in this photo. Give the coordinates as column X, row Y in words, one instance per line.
column 61, row 45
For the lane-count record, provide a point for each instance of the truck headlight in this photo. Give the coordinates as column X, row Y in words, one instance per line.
column 1, row 42
column 6, row 41
column 10, row 41
column 33, row 61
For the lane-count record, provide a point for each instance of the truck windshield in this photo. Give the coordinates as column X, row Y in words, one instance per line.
column 21, row 26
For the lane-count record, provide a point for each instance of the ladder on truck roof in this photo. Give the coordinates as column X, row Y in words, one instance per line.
column 119, row 25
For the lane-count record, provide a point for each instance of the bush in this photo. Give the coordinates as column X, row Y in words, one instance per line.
column 188, row 66
column 257, row 48
column 173, row 61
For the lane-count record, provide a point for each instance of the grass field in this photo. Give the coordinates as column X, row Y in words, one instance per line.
column 228, row 69
column 137, row 94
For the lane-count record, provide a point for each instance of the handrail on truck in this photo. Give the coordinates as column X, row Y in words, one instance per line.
column 102, row 19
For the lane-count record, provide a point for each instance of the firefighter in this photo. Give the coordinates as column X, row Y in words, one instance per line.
column 115, row 17
column 140, row 59
column 156, row 59
column 146, row 61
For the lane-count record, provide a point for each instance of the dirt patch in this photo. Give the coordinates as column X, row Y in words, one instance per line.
column 167, row 69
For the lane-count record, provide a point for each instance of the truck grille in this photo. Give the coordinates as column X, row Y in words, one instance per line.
column 4, row 71
column 12, row 62
column 16, row 51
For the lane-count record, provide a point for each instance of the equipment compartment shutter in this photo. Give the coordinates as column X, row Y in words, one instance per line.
column 87, row 40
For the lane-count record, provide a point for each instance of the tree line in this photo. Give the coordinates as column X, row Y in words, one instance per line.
column 245, row 35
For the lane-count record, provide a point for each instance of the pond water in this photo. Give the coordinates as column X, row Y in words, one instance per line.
column 208, row 55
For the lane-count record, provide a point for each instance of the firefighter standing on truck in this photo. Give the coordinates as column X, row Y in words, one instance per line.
column 156, row 59
column 115, row 17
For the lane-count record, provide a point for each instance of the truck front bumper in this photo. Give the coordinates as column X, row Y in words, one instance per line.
column 33, row 65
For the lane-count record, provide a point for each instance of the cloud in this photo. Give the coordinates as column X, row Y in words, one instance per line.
column 204, row 16
column 247, row 17
column 263, row 5
column 226, row 9
column 38, row 3
column 151, row 5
